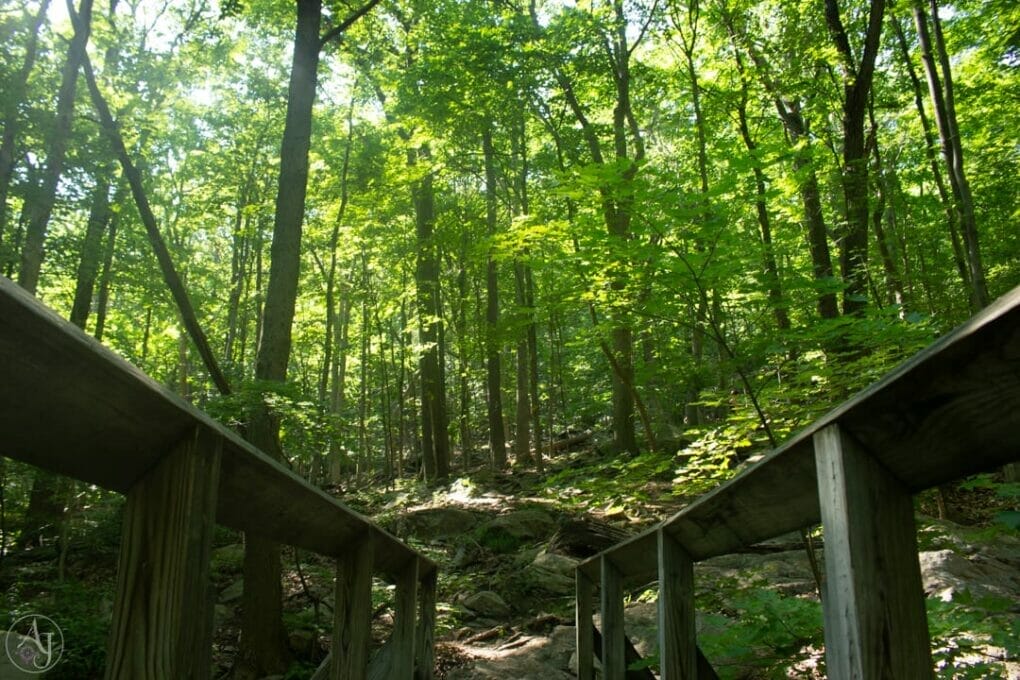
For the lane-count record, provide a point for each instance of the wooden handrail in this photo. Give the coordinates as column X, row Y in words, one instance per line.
column 74, row 407
column 950, row 411
column 70, row 405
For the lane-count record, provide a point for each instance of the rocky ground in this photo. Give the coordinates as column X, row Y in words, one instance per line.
column 507, row 556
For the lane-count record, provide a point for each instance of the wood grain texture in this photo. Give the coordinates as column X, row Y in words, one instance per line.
column 678, row 650
column 352, row 613
column 162, row 612
column 425, row 638
column 584, row 590
column 614, row 659
column 404, row 623
column 72, row 406
column 875, row 620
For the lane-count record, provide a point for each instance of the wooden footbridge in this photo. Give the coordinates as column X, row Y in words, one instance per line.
column 951, row 411
column 71, row 406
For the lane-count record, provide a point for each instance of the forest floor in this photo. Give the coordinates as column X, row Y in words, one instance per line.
column 506, row 546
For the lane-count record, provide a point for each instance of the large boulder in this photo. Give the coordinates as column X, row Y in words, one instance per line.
column 946, row 573
column 487, row 603
column 517, row 527
column 430, row 524
column 553, row 573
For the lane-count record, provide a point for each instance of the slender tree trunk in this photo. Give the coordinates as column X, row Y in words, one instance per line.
column 771, row 268
column 14, row 96
column 533, row 377
column 263, row 647
column 106, row 277
column 688, row 38
column 857, row 80
column 929, row 150
column 463, row 358
column 493, row 380
column 522, row 434
column 40, row 204
column 170, row 275
column 338, row 390
column 435, row 437
column 883, row 210
column 401, row 391
column 797, row 131
column 941, row 91
column 364, row 455
column 92, row 247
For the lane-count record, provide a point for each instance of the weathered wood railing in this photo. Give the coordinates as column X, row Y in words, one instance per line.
column 69, row 405
column 951, row 411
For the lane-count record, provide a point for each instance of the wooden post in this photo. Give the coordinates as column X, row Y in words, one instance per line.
column 404, row 623
column 614, row 656
column 583, row 622
column 162, row 617
column 426, row 637
column 678, row 649
column 875, row 622
column 352, row 613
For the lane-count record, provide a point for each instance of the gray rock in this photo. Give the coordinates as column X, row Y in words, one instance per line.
column 553, row 573
column 487, row 603
column 946, row 573
column 436, row 523
column 529, row 524
column 559, row 564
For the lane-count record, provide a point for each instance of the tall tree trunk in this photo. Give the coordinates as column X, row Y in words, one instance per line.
column 520, row 162
column 522, row 434
column 687, row 28
column 493, row 381
column 170, row 275
column 796, row 127
column 463, row 357
column 941, row 92
column 14, row 97
column 92, row 247
column 435, row 436
column 857, row 80
column 884, row 210
column 106, row 279
column 364, row 455
column 771, row 268
column 959, row 257
column 40, row 204
column 533, row 377
column 263, row 646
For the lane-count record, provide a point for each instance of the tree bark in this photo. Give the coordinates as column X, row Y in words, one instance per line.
column 929, row 150
column 92, row 246
column 40, row 204
column 15, row 95
column 263, row 646
column 771, row 268
column 435, row 437
column 170, row 275
column 857, row 80
column 941, row 92
column 522, row 434
column 796, row 127
column 493, row 381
